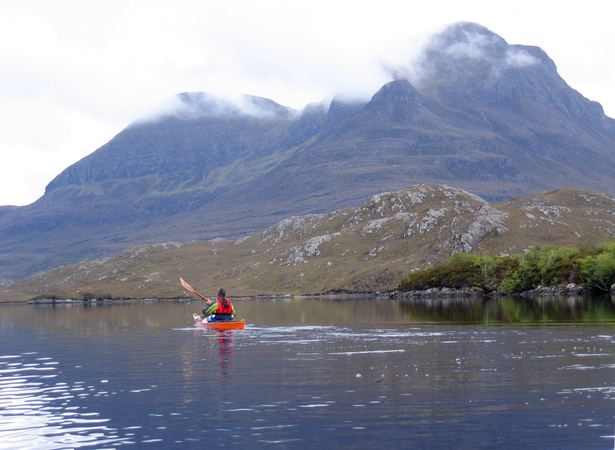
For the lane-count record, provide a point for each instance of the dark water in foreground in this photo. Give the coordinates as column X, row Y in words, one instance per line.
column 311, row 373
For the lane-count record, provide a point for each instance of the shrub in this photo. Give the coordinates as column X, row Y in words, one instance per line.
column 511, row 284
column 592, row 265
column 462, row 270
column 563, row 271
column 598, row 271
column 546, row 266
column 455, row 274
column 609, row 248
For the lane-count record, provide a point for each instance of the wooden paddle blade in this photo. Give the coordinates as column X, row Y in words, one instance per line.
column 185, row 284
column 190, row 289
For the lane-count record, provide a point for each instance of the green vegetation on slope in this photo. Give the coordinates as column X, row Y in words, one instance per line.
column 541, row 266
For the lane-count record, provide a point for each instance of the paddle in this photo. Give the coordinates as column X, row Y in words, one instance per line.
column 191, row 289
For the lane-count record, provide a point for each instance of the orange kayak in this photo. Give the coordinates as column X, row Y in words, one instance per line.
column 221, row 326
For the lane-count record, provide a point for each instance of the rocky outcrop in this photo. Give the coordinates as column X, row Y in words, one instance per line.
column 365, row 248
column 571, row 290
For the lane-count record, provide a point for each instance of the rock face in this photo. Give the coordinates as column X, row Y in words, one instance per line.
column 491, row 118
column 365, row 248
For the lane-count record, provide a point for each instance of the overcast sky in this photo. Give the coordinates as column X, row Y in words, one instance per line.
column 74, row 73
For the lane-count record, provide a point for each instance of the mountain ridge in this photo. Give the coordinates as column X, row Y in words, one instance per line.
column 210, row 168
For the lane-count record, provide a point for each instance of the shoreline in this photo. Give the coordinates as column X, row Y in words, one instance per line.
column 145, row 300
column 571, row 290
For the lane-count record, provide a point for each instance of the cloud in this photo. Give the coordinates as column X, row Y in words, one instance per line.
column 519, row 58
column 462, row 50
column 472, row 45
column 74, row 73
column 194, row 105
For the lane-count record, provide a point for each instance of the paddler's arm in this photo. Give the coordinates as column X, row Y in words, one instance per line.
column 210, row 309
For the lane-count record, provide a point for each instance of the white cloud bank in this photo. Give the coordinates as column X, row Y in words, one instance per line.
column 74, row 73
column 463, row 42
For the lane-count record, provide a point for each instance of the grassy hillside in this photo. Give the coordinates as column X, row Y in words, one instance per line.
column 367, row 248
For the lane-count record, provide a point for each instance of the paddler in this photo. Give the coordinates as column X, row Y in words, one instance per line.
column 221, row 309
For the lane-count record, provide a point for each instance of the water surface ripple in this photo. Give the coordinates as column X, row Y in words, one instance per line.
column 305, row 374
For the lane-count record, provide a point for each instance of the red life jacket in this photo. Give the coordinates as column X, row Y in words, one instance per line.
column 221, row 309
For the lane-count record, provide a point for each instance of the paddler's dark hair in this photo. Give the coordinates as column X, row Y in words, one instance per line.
column 222, row 296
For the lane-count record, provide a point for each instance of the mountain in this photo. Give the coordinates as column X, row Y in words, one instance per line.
column 477, row 113
column 368, row 247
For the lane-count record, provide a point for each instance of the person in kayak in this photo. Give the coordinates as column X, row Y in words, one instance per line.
column 220, row 310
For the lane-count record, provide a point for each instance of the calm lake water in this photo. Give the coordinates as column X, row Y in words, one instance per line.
column 311, row 373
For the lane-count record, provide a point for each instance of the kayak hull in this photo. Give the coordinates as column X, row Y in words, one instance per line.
column 222, row 326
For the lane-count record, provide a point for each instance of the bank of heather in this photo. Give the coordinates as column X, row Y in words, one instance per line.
column 554, row 266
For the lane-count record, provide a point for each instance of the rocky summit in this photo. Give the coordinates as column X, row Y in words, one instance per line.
column 364, row 248
column 475, row 112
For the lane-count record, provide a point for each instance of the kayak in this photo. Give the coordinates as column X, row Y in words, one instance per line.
column 220, row 326
column 223, row 326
